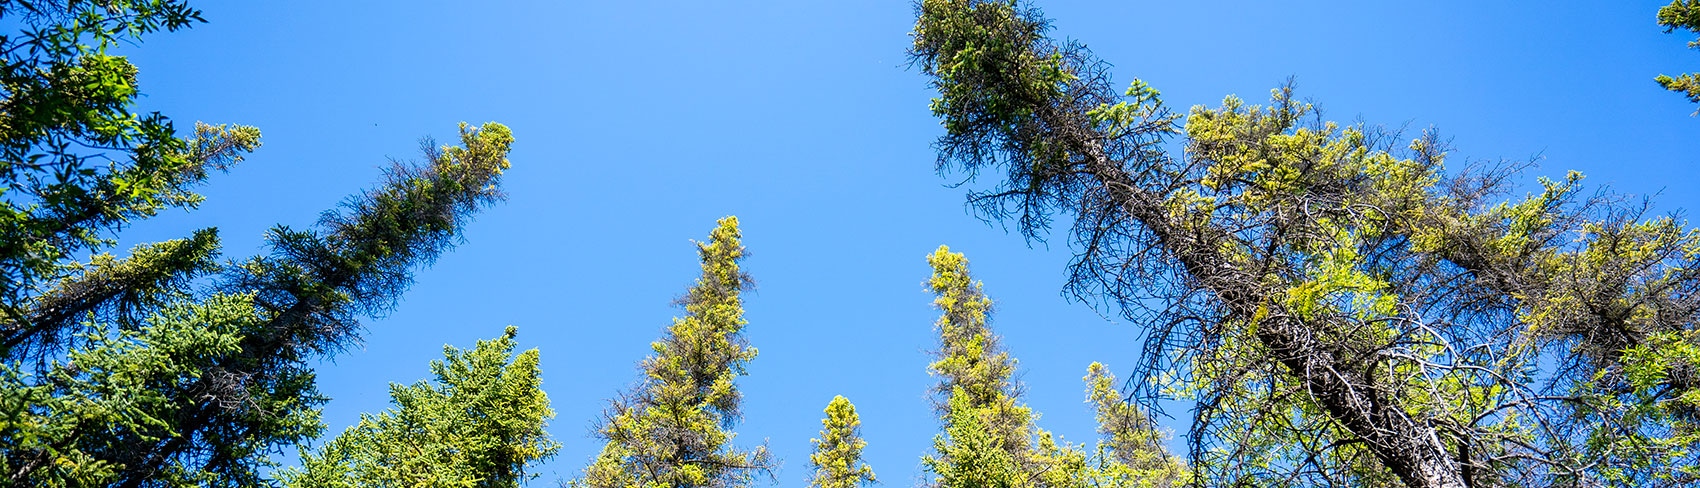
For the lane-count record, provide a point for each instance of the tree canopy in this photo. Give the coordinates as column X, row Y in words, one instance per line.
column 838, row 452
column 1330, row 304
column 167, row 367
column 1342, row 308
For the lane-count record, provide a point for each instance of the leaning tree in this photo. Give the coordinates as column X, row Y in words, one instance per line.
column 1342, row 308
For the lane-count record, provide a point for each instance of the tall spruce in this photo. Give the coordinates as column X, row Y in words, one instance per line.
column 1343, row 310
column 674, row 428
column 479, row 425
column 1130, row 451
column 838, row 452
column 989, row 437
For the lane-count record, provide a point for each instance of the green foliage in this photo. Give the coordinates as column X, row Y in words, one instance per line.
column 1682, row 14
column 970, row 453
column 838, row 452
column 989, row 36
column 81, row 425
column 209, row 385
column 75, row 162
column 479, row 425
column 164, row 367
column 673, row 430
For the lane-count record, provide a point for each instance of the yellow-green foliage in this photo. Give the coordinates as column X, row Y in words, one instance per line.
column 673, row 430
column 1682, row 14
column 989, row 437
column 1130, row 453
column 1345, row 310
column 838, row 452
column 479, row 425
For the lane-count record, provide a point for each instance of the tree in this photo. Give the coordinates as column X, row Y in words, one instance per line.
column 1130, row 452
column 1682, row 14
column 207, row 386
column 1341, row 309
column 77, row 165
column 988, row 434
column 838, row 452
column 989, row 438
column 479, row 425
column 674, row 428
column 166, row 367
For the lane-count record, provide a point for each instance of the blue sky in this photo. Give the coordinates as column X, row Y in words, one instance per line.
column 639, row 123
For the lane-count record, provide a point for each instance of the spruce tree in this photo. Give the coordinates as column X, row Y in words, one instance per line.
column 838, row 452
column 674, row 428
column 1343, row 308
column 1130, row 452
column 479, row 425
column 989, row 437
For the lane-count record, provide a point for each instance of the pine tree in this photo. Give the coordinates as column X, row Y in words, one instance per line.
column 838, row 452
column 989, row 437
column 479, row 425
column 674, row 429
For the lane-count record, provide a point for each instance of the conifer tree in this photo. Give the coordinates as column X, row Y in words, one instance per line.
column 479, row 425
column 207, row 384
column 77, row 164
column 1130, row 452
column 838, row 452
column 989, row 437
column 674, row 429
column 1343, row 309
column 166, row 367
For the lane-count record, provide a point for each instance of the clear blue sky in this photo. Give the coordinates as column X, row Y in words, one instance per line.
column 639, row 123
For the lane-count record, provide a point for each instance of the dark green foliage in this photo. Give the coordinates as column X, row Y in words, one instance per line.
column 317, row 282
column 112, row 290
column 117, row 371
column 75, row 162
column 212, row 385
